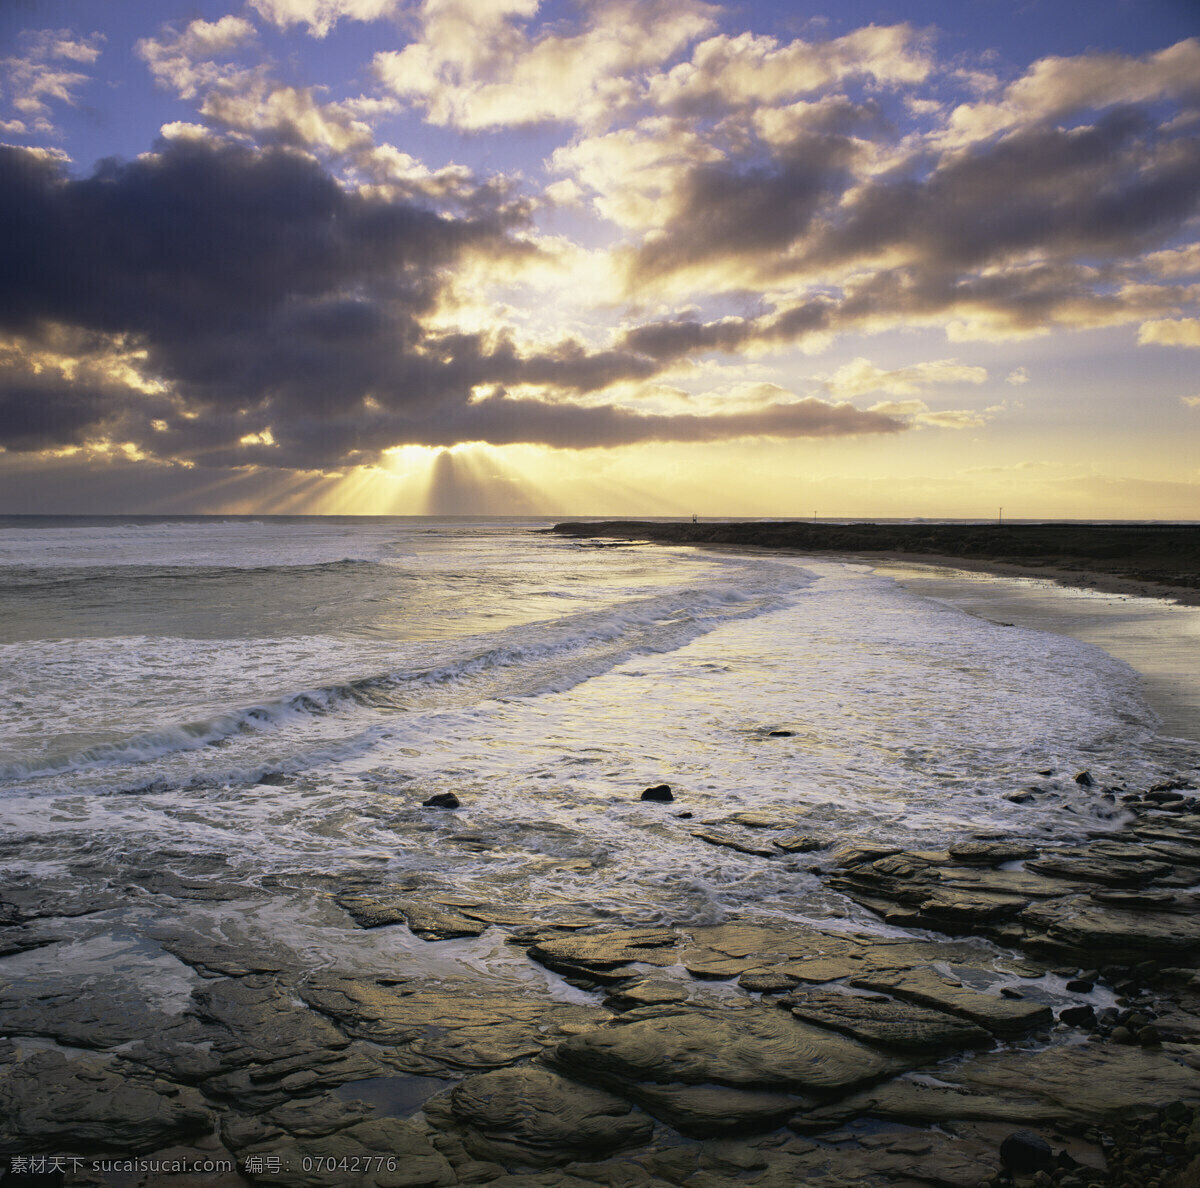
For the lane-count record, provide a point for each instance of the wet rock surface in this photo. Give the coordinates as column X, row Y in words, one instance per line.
column 49, row 1102
column 750, row 1051
column 534, row 1116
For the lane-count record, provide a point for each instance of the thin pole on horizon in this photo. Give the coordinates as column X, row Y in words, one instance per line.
column 1000, row 516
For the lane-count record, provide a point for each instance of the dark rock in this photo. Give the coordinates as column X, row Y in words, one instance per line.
column 780, row 733
column 218, row 958
column 716, row 837
column 765, row 981
column 756, row 1048
column 660, row 792
column 1009, row 992
column 1088, row 933
column 445, row 800
column 20, row 940
column 1149, row 1036
column 534, row 1116
column 992, row 853
column 428, row 922
column 1099, row 870
column 114, row 1012
column 1084, row 779
column 685, row 816
column 1096, row 1082
column 1163, row 795
column 49, row 1104
column 1021, row 797
column 1080, row 986
column 799, row 843
column 997, row 1015
column 903, row 1026
column 601, row 956
column 1078, row 1016
column 705, row 1111
column 1026, row 1151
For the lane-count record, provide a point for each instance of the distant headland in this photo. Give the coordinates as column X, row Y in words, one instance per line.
column 1155, row 560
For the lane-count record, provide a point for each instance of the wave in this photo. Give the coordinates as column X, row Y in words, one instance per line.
column 542, row 658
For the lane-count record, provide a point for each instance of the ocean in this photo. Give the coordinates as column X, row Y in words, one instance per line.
column 273, row 699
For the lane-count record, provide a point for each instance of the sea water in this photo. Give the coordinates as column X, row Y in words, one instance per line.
column 155, row 672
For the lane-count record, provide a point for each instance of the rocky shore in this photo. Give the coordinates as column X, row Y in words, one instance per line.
column 1161, row 560
column 1028, row 1016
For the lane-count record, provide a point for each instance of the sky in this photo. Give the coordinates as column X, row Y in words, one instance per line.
column 889, row 258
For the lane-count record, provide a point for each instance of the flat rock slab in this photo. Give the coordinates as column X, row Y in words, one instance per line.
column 757, row 1048
column 800, row 843
column 213, row 959
column 1097, row 869
column 449, row 1026
column 268, row 1023
column 1100, row 934
column 992, row 853
column 1092, row 1081
column 648, row 992
column 597, row 955
column 428, row 922
column 921, row 1104
column 534, row 1116
column 1000, row 1016
column 904, row 1026
column 112, row 1013
column 703, row 1111
column 50, row 1104
column 21, row 940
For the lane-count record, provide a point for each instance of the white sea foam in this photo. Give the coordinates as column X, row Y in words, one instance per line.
column 546, row 684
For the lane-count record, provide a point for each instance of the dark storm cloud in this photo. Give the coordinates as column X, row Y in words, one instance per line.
column 503, row 420
column 261, row 291
column 1021, row 232
column 675, row 339
column 729, row 211
column 1106, row 190
column 261, row 295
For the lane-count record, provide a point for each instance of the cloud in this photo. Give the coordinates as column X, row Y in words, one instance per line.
column 1108, row 190
column 1183, row 332
column 1173, row 262
column 1017, row 377
column 474, row 66
column 257, row 286
column 747, row 70
column 321, row 15
column 860, row 376
column 275, row 114
column 505, row 421
column 1055, row 87
column 1190, row 401
column 219, row 306
column 917, row 412
column 182, row 60
column 39, row 76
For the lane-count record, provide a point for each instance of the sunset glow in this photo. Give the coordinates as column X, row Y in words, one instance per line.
column 632, row 257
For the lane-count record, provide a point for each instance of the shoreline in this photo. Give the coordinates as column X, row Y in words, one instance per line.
column 1072, row 578
column 1149, row 562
